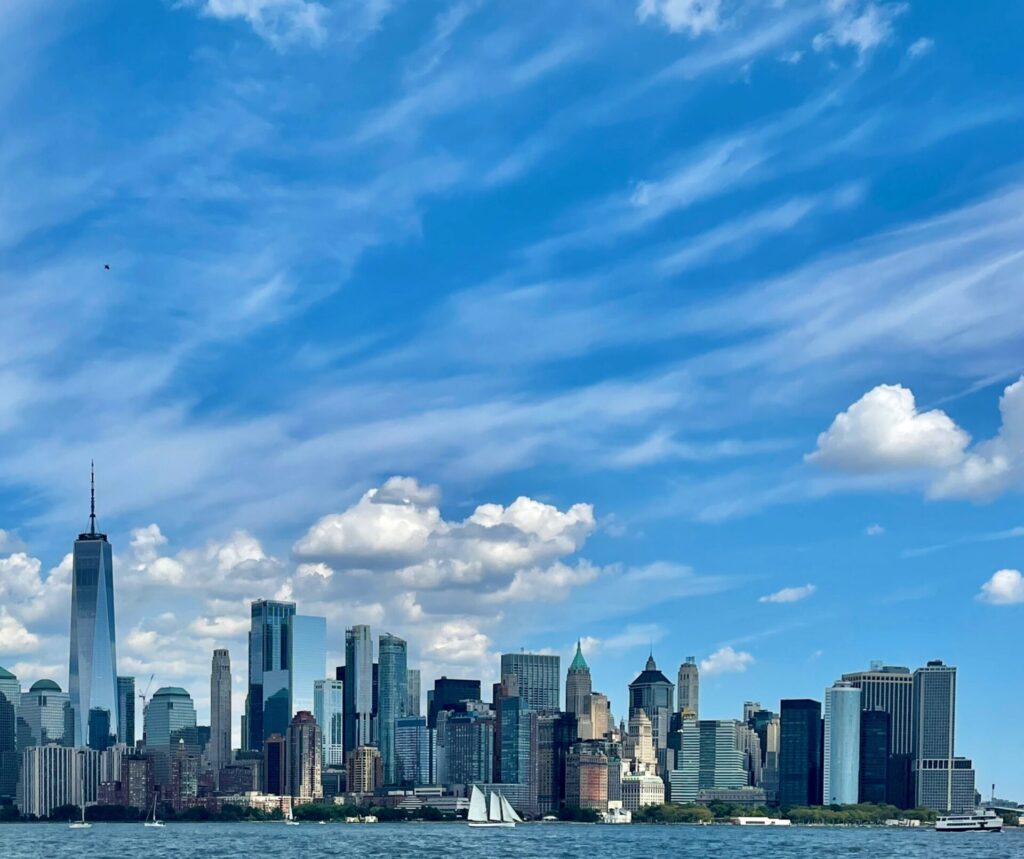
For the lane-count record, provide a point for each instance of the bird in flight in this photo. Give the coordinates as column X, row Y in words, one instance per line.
column 106, row 266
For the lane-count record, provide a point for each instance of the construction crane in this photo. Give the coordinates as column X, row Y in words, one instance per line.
column 144, row 695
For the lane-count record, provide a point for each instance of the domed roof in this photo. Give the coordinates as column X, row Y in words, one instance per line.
column 44, row 686
column 170, row 690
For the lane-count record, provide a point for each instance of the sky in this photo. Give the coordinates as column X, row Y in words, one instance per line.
column 684, row 326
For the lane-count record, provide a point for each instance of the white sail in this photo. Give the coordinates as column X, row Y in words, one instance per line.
column 508, row 812
column 477, row 806
column 495, row 809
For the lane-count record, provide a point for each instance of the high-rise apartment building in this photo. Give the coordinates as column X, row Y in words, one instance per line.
column 800, row 743
column 218, row 751
column 126, row 710
column 92, row 666
column 359, row 701
column 412, row 699
column 329, row 712
column 364, row 769
column 841, row 748
column 539, row 677
column 689, row 687
column 586, row 777
column 303, row 749
column 53, row 776
column 393, row 692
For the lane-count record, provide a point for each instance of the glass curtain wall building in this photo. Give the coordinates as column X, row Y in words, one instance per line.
column 539, row 679
column 799, row 752
column 358, row 687
column 269, row 702
column 126, row 710
column 92, row 665
column 841, row 752
column 393, row 693
column 309, row 659
column 329, row 712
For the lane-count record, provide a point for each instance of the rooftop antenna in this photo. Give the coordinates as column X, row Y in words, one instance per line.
column 92, row 496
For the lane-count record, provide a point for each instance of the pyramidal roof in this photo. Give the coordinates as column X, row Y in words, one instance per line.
column 6, row 675
column 578, row 662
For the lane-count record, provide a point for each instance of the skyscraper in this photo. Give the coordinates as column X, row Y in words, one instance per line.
column 219, row 749
column 841, row 751
column 358, row 687
column 42, row 718
column 329, row 712
column 92, row 666
column 414, row 752
column 10, row 698
column 303, row 757
column 170, row 720
column 942, row 782
column 799, row 752
column 275, row 765
column 684, row 780
column 412, row 700
column 874, row 755
column 722, row 764
column 393, row 692
column 308, row 659
column 578, row 685
column 448, row 692
column 689, row 687
column 269, row 701
column 539, row 679
column 651, row 692
column 126, row 710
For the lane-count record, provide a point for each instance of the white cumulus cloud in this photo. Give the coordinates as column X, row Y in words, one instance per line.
column 1006, row 587
column 794, row 594
column 14, row 637
column 859, row 25
column 920, row 47
column 725, row 660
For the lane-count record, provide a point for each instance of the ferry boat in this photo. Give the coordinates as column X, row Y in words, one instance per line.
column 980, row 821
column 761, row 821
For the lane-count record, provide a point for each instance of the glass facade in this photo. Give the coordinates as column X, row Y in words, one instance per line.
column 43, row 715
column 799, row 752
column 414, row 746
column 874, row 756
column 126, row 710
column 393, row 692
column 841, row 752
column 539, row 679
column 269, row 702
column 170, row 720
column 722, row 764
column 329, row 712
column 358, row 687
column 309, row 659
column 92, row 666
column 934, row 721
column 447, row 693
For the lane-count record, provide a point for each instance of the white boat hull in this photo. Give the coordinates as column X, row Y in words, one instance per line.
column 497, row 824
column 987, row 822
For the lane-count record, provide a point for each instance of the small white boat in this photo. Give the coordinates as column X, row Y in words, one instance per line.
column 494, row 814
column 151, row 821
column 80, row 824
column 761, row 821
column 322, row 822
column 980, row 821
column 290, row 819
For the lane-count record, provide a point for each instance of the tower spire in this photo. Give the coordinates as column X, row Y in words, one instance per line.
column 92, row 496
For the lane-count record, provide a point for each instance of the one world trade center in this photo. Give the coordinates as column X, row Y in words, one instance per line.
column 92, row 669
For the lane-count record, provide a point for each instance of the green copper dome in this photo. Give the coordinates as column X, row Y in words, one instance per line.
column 44, row 686
column 578, row 662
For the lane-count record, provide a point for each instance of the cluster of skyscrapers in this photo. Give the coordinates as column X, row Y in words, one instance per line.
column 309, row 734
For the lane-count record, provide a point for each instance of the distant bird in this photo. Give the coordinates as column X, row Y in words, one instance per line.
column 106, row 266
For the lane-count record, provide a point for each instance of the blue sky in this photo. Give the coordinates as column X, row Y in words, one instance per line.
column 729, row 294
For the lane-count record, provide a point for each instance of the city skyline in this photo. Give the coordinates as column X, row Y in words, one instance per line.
column 497, row 328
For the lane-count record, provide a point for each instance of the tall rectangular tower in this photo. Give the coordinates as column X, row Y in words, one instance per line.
column 126, row 711
column 92, row 666
column 358, row 687
column 269, row 701
column 934, row 726
column 539, row 677
column 800, row 740
column 393, row 692
column 219, row 751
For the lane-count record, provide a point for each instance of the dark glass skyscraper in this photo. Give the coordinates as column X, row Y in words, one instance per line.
column 126, row 710
column 800, row 740
column 358, row 690
column 447, row 693
column 393, row 691
column 875, row 727
column 269, row 702
column 92, row 667
column 652, row 692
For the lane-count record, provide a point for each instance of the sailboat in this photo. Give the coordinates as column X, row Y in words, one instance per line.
column 290, row 819
column 151, row 821
column 80, row 824
column 493, row 813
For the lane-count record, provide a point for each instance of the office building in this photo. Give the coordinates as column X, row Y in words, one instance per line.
column 749, row 744
column 468, row 747
column 329, row 712
column 888, row 688
column 638, row 744
column 170, row 720
column 359, row 698
column 556, row 733
column 939, row 777
column 219, row 750
column 268, row 706
column 53, row 776
column 126, row 710
column 597, row 706
column 44, row 715
column 365, row 773
column 275, row 765
column 539, row 678
column 102, row 728
column 641, row 789
column 92, row 666
column 578, row 686
column 412, row 699
column 414, row 752
column 447, row 694
column 653, row 692
column 874, row 756
column 722, row 763
column 303, row 757
column 308, row 659
column 800, row 742
column 684, row 779
column 10, row 696
column 392, row 695
column 586, row 777
column 689, row 687
column 841, row 747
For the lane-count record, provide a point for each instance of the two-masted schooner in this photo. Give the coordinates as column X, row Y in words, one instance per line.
column 493, row 812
